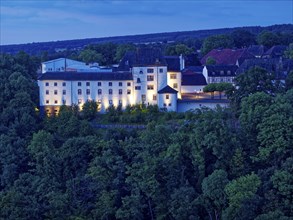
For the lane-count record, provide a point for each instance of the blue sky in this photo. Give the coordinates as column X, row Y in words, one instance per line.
column 26, row 21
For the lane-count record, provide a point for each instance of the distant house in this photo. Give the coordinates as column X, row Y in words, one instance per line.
column 227, row 56
column 275, row 52
column 220, row 73
column 279, row 66
column 257, row 50
column 68, row 65
column 193, row 81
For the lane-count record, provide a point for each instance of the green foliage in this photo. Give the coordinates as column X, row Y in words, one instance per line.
column 243, row 38
column 217, row 41
column 268, row 39
column 89, row 110
column 90, row 56
column 178, row 49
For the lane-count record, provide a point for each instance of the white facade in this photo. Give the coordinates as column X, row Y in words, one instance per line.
column 168, row 101
column 54, row 93
column 185, row 106
column 147, row 82
column 192, row 89
column 216, row 78
column 174, row 81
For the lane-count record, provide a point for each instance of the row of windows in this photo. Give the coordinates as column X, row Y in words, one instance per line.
column 88, row 83
column 79, row 101
column 150, row 70
column 88, row 92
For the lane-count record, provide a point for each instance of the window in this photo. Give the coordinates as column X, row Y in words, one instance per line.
column 47, row 92
column 143, row 98
column 110, row 102
column 79, row 84
column 47, row 84
column 99, row 101
column 47, row 101
column 161, row 70
column 64, row 84
column 150, row 78
column 120, row 102
column 88, row 91
column 110, row 91
column 137, row 88
column 79, row 101
column 173, row 76
column 120, row 83
column 55, row 92
column 99, row 91
column 56, row 102
column 55, row 84
column 99, row 84
column 64, row 92
column 79, row 91
column 129, row 84
column 138, row 80
column 88, row 84
column 128, row 91
column 169, row 104
column 228, row 72
column 165, row 104
column 222, row 72
column 64, row 102
column 167, row 96
column 154, row 98
column 150, row 70
column 175, row 85
column 141, row 72
column 120, row 91
column 150, row 87
column 110, row 83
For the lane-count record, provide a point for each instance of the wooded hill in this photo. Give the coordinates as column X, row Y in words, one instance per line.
column 53, row 46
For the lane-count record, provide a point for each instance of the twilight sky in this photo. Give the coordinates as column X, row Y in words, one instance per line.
column 27, row 21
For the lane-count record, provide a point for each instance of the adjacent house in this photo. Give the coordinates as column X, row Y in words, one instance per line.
column 220, row 73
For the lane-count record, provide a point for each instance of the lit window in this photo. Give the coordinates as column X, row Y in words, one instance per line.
column 150, row 78
column 167, row 96
column 110, row 83
column 88, row 92
column 79, row 92
column 128, row 91
column 110, row 91
column 47, row 84
column 79, row 84
column 64, row 84
column 120, row 91
column 99, row 84
column 55, row 92
column 87, row 83
column 120, row 83
column 55, row 84
column 137, row 87
column 150, row 87
column 154, row 98
column 175, row 85
column 150, row 70
column 99, row 91
column 47, row 92
column 64, row 92
column 129, row 84
column 173, row 76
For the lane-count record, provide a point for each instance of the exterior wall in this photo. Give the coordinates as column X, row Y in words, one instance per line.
column 220, row 79
column 192, row 89
column 189, row 105
column 171, row 81
column 148, row 87
column 72, row 97
column 168, row 101
column 59, row 65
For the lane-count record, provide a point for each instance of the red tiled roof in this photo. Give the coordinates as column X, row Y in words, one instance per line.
column 227, row 56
